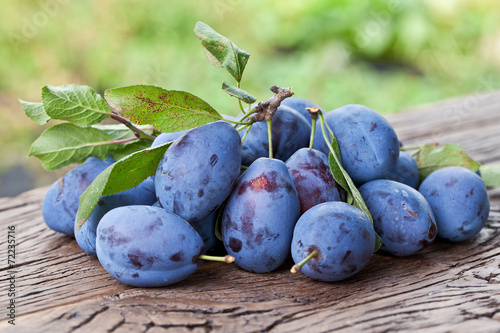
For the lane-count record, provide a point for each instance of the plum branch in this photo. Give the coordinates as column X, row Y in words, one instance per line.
column 140, row 134
column 266, row 110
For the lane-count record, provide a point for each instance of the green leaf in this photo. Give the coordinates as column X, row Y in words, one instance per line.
column 126, row 149
column 238, row 93
column 65, row 143
column 337, row 172
column 222, row 52
column 122, row 132
column 167, row 110
column 490, row 175
column 80, row 105
column 118, row 177
column 35, row 112
column 431, row 157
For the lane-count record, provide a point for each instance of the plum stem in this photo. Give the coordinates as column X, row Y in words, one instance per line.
column 313, row 112
column 246, row 133
column 236, row 123
column 247, row 114
column 270, row 136
column 227, row 258
column 298, row 267
column 313, row 131
column 242, row 127
column 241, row 106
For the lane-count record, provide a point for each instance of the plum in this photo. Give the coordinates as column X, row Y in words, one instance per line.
column 60, row 204
column 369, row 147
column 198, row 171
column 459, row 200
column 290, row 132
column 142, row 194
column 342, row 236
column 206, row 229
column 300, row 105
column 401, row 216
column 313, row 179
column 259, row 216
column 146, row 246
column 405, row 171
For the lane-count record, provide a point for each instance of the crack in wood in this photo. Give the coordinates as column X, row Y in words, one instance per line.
column 90, row 318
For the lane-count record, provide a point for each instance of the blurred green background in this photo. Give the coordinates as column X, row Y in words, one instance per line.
column 388, row 55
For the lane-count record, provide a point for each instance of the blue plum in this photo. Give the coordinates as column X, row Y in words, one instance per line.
column 313, row 179
column 290, row 132
column 342, row 236
column 401, row 216
column 142, row 194
column 146, row 246
column 459, row 200
column 198, row 171
column 259, row 216
column 60, row 204
column 206, row 229
column 300, row 105
column 369, row 147
column 405, row 171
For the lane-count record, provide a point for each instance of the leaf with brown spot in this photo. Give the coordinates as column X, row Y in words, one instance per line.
column 167, row 110
column 222, row 52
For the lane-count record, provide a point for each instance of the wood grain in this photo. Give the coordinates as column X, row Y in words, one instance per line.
column 445, row 288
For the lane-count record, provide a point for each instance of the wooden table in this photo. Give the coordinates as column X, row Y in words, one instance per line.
column 445, row 288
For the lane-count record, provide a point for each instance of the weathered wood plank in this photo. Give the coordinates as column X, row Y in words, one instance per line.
column 446, row 287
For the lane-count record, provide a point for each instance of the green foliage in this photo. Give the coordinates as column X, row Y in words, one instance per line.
column 238, row 93
column 35, row 112
column 80, row 105
column 120, row 132
column 118, row 177
column 222, row 52
column 166, row 110
column 64, row 144
column 490, row 175
column 432, row 157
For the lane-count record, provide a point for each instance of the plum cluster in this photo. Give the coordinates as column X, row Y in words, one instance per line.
column 269, row 209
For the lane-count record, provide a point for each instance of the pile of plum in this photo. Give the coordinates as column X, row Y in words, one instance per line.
column 265, row 209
